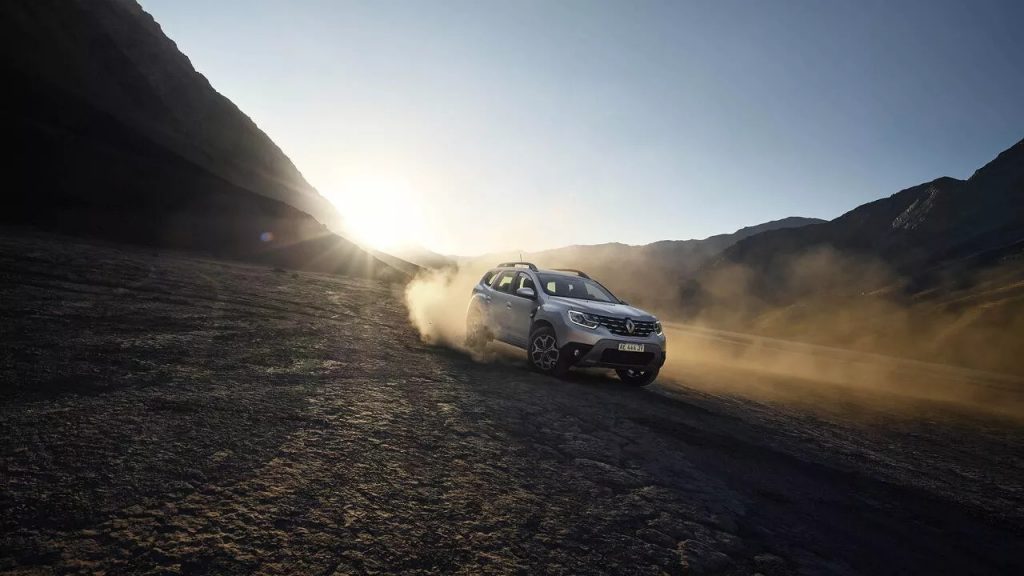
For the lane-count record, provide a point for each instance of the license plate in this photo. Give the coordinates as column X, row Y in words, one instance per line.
column 624, row 347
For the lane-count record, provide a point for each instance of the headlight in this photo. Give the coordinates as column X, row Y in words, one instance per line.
column 657, row 328
column 585, row 320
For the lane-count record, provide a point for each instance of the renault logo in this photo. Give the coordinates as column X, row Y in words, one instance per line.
column 630, row 326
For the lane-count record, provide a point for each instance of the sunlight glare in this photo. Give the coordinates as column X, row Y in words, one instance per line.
column 380, row 211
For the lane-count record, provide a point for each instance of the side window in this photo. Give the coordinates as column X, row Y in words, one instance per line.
column 503, row 283
column 523, row 280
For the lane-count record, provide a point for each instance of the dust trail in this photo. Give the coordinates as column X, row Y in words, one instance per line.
column 821, row 352
column 828, row 379
column 824, row 326
column 437, row 302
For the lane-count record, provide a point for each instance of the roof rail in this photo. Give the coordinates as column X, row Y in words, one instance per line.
column 514, row 264
column 579, row 273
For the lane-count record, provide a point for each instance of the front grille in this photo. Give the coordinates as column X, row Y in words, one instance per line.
column 641, row 328
column 613, row 356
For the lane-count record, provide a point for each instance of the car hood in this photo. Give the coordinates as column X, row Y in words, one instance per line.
column 603, row 308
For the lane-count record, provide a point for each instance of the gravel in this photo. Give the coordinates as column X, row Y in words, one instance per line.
column 172, row 414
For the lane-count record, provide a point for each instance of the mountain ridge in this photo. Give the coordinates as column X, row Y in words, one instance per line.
column 912, row 230
column 934, row 272
column 115, row 135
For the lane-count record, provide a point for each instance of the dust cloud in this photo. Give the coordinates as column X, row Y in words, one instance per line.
column 822, row 329
column 436, row 306
column 833, row 299
column 437, row 301
column 826, row 328
column 830, row 379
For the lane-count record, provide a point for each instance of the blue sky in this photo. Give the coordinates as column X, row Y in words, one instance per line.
column 479, row 126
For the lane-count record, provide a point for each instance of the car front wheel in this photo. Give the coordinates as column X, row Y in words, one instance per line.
column 637, row 376
column 543, row 353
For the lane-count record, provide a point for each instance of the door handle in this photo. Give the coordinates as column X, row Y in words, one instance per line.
column 508, row 304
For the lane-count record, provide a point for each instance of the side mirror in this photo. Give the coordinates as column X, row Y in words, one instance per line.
column 526, row 293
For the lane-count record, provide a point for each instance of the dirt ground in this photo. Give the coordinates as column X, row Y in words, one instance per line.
column 166, row 414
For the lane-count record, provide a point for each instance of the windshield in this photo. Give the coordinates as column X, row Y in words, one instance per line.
column 575, row 287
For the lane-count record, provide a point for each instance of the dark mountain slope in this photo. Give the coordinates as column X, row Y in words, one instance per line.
column 912, row 232
column 112, row 134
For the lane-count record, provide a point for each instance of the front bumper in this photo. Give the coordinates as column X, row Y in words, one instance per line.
column 605, row 353
column 600, row 348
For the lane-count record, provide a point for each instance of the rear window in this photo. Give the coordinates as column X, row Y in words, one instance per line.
column 486, row 280
column 504, row 282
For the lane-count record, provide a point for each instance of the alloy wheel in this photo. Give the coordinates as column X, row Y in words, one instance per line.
column 544, row 352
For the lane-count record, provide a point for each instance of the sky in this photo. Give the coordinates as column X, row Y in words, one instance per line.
column 479, row 126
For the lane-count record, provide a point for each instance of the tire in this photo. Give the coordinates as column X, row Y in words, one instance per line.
column 637, row 377
column 543, row 353
column 477, row 334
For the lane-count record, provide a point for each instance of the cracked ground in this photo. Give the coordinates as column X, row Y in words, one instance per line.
column 165, row 414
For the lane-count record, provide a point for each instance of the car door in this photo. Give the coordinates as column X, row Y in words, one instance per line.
column 520, row 309
column 501, row 294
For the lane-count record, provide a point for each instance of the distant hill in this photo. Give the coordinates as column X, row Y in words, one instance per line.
column 648, row 274
column 687, row 256
column 113, row 133
column 423, row 257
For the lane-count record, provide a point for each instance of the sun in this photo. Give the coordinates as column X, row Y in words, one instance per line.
column 382, row 212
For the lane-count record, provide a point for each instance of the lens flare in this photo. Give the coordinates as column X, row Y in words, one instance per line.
column 381, row 212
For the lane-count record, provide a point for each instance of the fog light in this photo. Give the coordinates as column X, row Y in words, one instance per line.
column 576, row 352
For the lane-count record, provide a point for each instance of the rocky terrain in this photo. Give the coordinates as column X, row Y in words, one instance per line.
column 164, row 413
column 206, row 396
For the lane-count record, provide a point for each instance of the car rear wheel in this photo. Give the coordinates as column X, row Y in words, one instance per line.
column 477, row 334
column 637, row 376
column 543, row 352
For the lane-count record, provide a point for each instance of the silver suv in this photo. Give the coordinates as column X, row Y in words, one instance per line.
column 563, row 318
